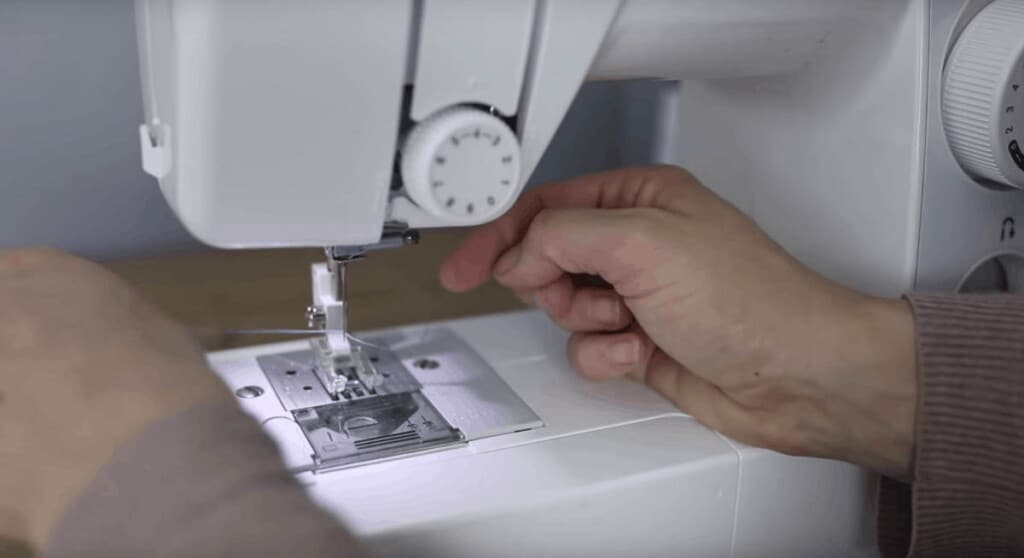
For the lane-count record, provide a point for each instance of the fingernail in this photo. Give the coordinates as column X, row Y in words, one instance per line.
column 449, row 277
column 605, row 310
column 624, row 352
column 508, row 261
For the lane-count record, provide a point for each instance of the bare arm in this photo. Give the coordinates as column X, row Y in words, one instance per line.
column 117, row 440
column 206, row 482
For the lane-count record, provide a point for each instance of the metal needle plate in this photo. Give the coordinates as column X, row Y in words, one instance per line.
column 436, row 391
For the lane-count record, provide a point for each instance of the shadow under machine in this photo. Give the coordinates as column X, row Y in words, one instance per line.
column 879, row 142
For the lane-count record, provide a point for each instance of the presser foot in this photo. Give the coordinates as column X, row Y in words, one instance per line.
column 339, row 370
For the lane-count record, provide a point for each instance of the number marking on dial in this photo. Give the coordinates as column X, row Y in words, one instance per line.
column 1016, row 154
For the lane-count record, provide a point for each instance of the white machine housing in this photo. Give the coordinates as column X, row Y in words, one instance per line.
column 277, row 123
column 270, row 124
column 615, row 470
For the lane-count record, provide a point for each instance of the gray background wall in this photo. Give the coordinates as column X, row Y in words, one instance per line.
column 70, row 106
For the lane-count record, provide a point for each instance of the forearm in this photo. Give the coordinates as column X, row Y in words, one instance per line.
column 48, row 456
column 14, row 532
column 207, row 482
column 873, row 397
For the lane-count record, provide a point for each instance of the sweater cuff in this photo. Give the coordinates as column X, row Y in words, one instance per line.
column 967, row 498
column 206, row 482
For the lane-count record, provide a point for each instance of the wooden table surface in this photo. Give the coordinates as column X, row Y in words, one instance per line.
column 214, row 290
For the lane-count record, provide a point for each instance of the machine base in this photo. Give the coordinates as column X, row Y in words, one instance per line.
column 607, row 469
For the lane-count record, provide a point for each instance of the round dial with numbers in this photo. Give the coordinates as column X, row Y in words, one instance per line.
column 462, row 165
column 983, row 95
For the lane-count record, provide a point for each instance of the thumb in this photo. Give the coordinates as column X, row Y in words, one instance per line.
column 701, row 399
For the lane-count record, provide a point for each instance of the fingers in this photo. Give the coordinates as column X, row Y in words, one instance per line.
column 613, row 244
column 606, row 356
column 471, row 264
column 692, row 394
column 700, row 399
column 631, row 354
column 21, row 259
column 583, row 309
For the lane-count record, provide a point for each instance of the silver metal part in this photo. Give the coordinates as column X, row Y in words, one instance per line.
column 348, row 420
column 395, row 235
column 374, row 428
column 462, row 385
column 301, row 382
column 249, row 392
column 333, row 368
column 316, row 318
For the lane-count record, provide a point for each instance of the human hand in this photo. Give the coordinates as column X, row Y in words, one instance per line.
column 85, row 366
column 706, row 309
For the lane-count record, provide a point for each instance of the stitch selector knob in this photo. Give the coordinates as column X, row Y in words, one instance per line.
column 983, row 95
column 462, row 165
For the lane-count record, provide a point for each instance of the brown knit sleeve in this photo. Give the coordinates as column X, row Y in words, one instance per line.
column 207, row 482
column 967, row 496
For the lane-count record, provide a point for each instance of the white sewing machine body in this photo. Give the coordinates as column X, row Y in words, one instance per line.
column 831, row 122
column 615, row 470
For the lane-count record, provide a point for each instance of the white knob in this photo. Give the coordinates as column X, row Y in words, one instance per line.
column 983, row 95
column 462, row 165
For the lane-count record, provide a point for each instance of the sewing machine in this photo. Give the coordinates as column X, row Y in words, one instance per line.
column 879, row 141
